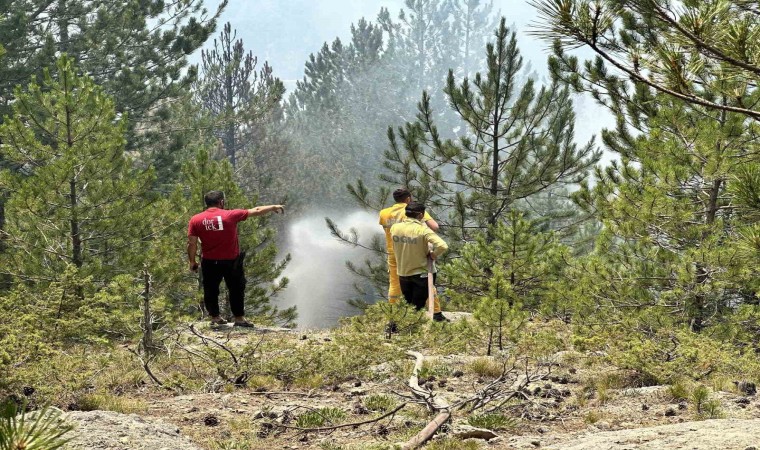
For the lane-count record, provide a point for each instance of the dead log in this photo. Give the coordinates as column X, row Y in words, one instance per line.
column 436, row 404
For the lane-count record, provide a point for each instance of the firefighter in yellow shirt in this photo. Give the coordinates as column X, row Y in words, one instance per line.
column 413, row 243
column 389, row 217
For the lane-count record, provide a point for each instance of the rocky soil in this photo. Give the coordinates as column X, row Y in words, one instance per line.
column 113, row 431
column 566, row 410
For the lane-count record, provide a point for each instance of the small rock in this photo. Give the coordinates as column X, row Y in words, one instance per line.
column 535, row 443
column 303, row 337
column 449, row 389
column 327, row 339
column 682, row 405
column 193, row 409
column 357, row 392
column 746, row 387
column 357, row 383
column 670, row 412
column 28, row 391
column 743, row 401
column 644, row 407
column 359, row 409
column 457, row 374
column 751, row 447
column 469, row 432
column 210, row 421
column 542, row 430
column 429, row 386
column 573, row 370
column 441, row 383
column 603, row 425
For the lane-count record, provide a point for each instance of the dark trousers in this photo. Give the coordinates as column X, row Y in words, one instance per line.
column 214, row 270
column 415, row 290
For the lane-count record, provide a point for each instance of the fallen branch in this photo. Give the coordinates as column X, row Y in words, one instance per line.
column 344, row 425
column 220, row 345
column 436, row 404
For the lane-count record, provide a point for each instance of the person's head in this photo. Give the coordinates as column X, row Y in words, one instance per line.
column 214, row 199
column 402, row 195
column 415, row 210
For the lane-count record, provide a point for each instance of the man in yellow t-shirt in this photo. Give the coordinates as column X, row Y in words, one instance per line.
column 413, row 243
column 389, row 217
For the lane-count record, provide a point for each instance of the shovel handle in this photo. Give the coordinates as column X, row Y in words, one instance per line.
column 431, row 288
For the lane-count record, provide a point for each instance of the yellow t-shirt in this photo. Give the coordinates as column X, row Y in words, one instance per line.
column 411, row 239
column 393, row 215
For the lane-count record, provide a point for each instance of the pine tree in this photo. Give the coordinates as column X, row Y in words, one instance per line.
column 516, row 262
column 75, row 202
column 519, row 143
column 137, row 51
column 473, row 21
column 700, row 52
column 80, row 219
column 238, row 96
column 668, row 210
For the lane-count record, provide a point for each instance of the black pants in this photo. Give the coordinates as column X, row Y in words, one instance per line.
column 415, row 290
column 231, row 270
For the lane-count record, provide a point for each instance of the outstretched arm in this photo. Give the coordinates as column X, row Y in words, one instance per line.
column 432, row 224
column 261, row 210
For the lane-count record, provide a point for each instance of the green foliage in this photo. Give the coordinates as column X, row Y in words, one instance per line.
column 408, row 319
column 319, row 417
column 39, row 430
column 108, row 402
column 244, row 103
column 379, row 402
column 486, row 367
column 86, row 204
column 352, row 90
column 678, row 390
column 671, row 354
column 657, row 47
column 452, row 444
column 492, row 421
column 513, row 260
column 136, row 50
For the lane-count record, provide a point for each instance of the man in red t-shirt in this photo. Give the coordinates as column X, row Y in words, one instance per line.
column 216, row 228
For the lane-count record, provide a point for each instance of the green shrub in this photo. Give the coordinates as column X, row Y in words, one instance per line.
column 486, row 367
column 320, row 417
column 108, row 402
column 452, row 444
column 678, row 391
column 40, row 430
column 379, row 402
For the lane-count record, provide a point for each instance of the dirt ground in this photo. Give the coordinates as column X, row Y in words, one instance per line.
column 565, row 410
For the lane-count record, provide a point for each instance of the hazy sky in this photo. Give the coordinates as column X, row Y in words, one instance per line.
column 285, row 32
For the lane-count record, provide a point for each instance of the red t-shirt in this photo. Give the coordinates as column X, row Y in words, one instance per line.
column 217, row 230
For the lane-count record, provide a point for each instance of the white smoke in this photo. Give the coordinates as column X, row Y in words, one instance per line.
column 320, row 283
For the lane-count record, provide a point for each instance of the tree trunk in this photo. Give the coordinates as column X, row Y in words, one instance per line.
column 230, row 133
column 147, row 316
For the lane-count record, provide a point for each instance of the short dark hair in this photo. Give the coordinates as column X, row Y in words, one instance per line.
column 401, row 194
column 213, row 198
column 414, row 209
